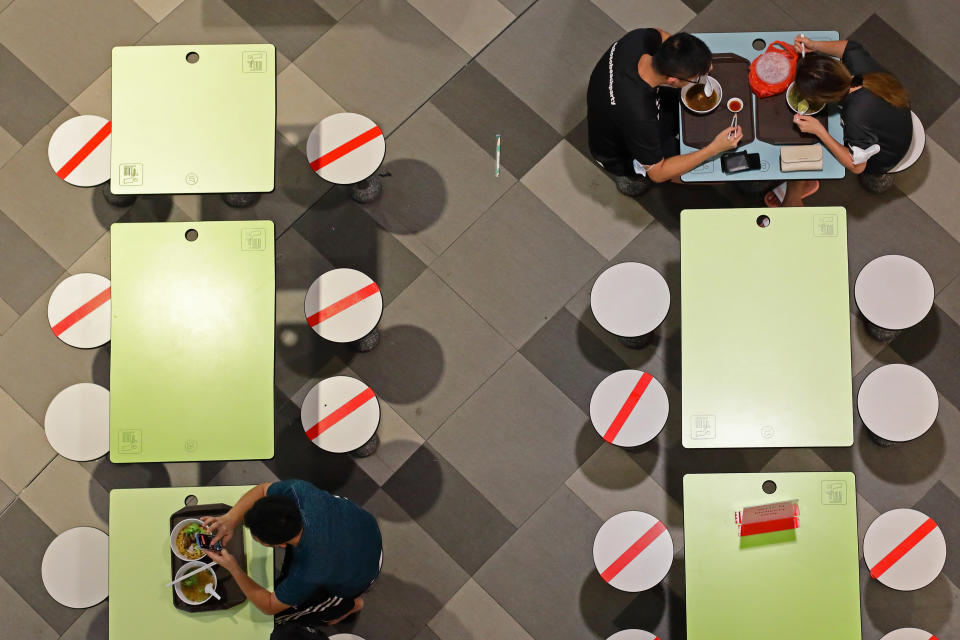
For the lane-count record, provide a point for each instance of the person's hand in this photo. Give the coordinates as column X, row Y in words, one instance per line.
column 809, row 124
column 727, row 139
column 225, row 559
column 221, row 527
column 808, row 44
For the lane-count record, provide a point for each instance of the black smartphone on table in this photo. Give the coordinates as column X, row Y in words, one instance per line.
column 739, row 161
column 203, row 541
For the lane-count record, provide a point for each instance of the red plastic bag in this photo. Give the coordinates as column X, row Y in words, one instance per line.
column 773, row 70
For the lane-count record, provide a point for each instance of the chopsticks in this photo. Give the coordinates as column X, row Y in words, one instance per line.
column 733, row 124
column 191, row 573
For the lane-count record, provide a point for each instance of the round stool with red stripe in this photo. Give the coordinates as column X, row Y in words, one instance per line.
column 629, row 408
column 347, row 148
column 77, row 422
column 633, row 551
column 897, row 403
column 79, row 310
column 904, row 549
column 630, row 300
column 79, row 153
column 909, row 633
column 633, row 634
column 345, row 305
column 341, row 414
column 893, row 293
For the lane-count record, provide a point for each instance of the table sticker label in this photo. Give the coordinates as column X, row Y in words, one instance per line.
column 253, row 240
column 833, row 492
column 254, row 61
column 131, row 442
column 703, row 427
column 825, row 225
column 131, row 174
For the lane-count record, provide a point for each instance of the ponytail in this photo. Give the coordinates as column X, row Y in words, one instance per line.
column 884, row 85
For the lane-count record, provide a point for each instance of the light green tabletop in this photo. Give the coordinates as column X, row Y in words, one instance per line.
column 140, row 606
column 192, row 341
column 203, row 127
column 765, row 318
column 790, row 585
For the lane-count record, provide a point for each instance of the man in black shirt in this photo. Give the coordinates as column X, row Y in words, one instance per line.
column 633, row 108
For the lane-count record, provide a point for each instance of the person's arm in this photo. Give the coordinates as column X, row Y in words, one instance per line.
column 844, row 156
column 262, row 599
column 833, row 48
column 676, row 166
column 223, row 526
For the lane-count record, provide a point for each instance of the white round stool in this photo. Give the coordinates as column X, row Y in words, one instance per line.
column 75, row 567
column 347, row 148
column 629, row 408
column 345, row 305
column 633, row 551
column 342, row 414
column 630, row 300
column 897, row 403
column 916, row 146
column 893, row 293
column 909, row 633
column 79, row 310
column 904, row 549
column 345, row 636
column 79, row 151
column 633, row 634
column 77, row 422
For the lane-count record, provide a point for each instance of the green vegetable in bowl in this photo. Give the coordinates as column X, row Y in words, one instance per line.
column 189, row 582
column 193, row 529
column 803, row 106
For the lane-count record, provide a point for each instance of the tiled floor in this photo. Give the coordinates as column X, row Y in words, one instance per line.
column 490, row 483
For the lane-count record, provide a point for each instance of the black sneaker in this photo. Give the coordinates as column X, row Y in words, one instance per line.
column 633, row 187
column 876, row 183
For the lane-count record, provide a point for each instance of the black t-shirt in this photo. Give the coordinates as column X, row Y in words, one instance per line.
column 869, row 119
column 627, row 119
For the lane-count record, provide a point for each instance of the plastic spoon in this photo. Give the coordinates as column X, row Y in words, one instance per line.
column 209, row 589
column 190, row 573
column 708, row 87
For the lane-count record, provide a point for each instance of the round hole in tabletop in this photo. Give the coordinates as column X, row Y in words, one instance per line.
column 193, row 57
column 759, row 44
column 190, row 500
column 769, row 486
column 191, row 235
column 763, row 221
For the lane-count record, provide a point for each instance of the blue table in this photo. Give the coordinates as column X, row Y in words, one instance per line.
column 742, row 45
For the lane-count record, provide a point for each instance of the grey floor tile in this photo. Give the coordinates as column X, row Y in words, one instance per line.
column 389, row 41
column 482, row 107
column 348, row 237
column 518, row 264
column 243, row 472
column 19, row 616
column 740, row 15
column 158, row 9
column 23, row 540
column 93, row 624
column 338, row 8
column 434, row 352
column 843, row 17
column 931, row 184
column 292, row 26
column 6, row 496
column 25, row 111
column 426, row 634
column 435, row 191
column 946, row 130
column 26, row 451
column 671, row 15
column 27, row 269
column 949, row 300
column 517, row 6
column 65, row 495
column 473, row 615
column 932, row 346
column 301, row 104
column 904, row 57
column 559, row 41
column 943, row 505
column 8, row 146
column 571, row 357
column 517, row 439
column 470, row 23
column 398, row 441
column 449, row 508
column 928, row 27
column 7, row 316
column 80, row 37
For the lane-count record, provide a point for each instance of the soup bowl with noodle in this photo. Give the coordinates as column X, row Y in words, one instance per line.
column 192, row 590
column 182, row 541
column 695, row 99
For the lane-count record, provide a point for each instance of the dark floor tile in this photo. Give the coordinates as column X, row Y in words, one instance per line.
column 932, row 346
column 480, row 105
column 26, row 102
column 291, row 25
column 946, row 130
column 23, row 540
column 27, row 269
column 579, row 139
column 449, row 508
column 572, row 357
column 697, row 5
column 932, row 91
column 298, row 262
column 348, row 237
column 943, row 505
column 142, row 475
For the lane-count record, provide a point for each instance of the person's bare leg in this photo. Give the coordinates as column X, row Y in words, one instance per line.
column 357, row 606
column 797, row 190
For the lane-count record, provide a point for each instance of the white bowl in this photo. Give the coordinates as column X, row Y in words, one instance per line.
column 786, row 96
column 187, row 568
column 176, row 532
column 717, row 89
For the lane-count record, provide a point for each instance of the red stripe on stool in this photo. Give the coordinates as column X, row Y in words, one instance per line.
column 630, row 554
column 345, row 148
column 901, row 549
column 343, row 303
column 81, row 312
column 352, row 405
column 84, row 151
column 627, row 407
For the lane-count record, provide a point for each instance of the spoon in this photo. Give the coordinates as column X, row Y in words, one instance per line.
column 708, row 86
column 209, row 589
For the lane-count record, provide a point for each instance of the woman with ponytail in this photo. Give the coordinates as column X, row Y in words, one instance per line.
column 874, row 108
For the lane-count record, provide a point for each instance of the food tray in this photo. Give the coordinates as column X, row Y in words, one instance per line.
column 700, row 129
column 230, row 593
column 775, row 122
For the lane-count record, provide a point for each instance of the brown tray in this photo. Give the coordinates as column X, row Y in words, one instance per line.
column 700, row 129
column 227, row 588
column 775, row 122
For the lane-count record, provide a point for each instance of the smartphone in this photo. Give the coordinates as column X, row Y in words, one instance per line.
column 739, row 161
column 203, row 541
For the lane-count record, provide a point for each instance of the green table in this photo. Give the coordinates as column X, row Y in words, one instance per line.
column 192, row 338
column 140, row 606
column 193, row 127
column 790, row 585
column 765, row 315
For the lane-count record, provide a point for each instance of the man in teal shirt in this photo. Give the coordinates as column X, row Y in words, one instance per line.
column 333, row 550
